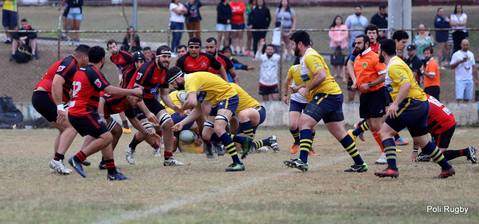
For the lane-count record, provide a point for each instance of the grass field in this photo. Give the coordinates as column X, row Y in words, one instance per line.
column 201, row 192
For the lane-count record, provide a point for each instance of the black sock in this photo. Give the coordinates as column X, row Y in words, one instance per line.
column 452, row 154
column 58, row 157
column 133, row 144
column 125, row 124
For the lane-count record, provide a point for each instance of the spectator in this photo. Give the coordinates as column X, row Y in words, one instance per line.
column 268, row 73
column 415, row 64
column 372, row 32
column 149, row 54
column 422, row 40
column 177, row 22
column 237, row 64
column 131, row 41
column 356, row 23
column 182, row 50
column 464, row 66
column 238, row 9
column 260, row 18
column 338, row 35
column 432, row 75
column 458, row 23
column 249, row 35
column 223, row 23
column 400, row 37
column 442, row 22
column 286, row 15
column 380, row 19
column 24, row 40
column 9, row 18
column 74, row 18
column 193, row 18
column 211, row 44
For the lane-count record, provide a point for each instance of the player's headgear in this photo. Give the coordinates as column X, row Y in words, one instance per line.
column 138, row 56
column 174, row 73
column 163, row 50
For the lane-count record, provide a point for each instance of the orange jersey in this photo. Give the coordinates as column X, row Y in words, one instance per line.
column 367, row 68
column 432, row 67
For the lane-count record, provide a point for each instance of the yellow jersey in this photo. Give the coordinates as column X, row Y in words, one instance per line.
column 311, row 63
column 209, row 87
column 174, row 98
column 398, row 74
column 245, row 100
column 10, row 5
column 294, row 73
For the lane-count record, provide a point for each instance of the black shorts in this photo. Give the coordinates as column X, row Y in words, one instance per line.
column 373, row 104
column 153, row 105
column 44, row 105
column 443, row 139
column 90, row 124
column 266, row 90
column 295, row 106
column 412, row 115
column 434, row 91
column 326, row 107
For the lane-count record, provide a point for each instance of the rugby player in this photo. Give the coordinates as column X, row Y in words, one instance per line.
column 409, row 109
column 51, row 93
column 325, row 101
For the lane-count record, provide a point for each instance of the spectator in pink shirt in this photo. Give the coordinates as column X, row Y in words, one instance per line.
column 338, row 34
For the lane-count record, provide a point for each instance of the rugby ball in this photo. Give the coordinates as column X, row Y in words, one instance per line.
column 187, row 136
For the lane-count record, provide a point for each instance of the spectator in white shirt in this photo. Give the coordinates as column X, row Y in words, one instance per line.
column 356, row 23
column 458, row 24
column 463, row 64
column 268, row 73
column 177, row 22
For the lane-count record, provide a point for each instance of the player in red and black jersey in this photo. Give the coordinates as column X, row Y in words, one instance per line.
column 441, row 124
column 152, row 77
column 88, row 83
column 197, row 61
column 211, row 48
column 49, row 96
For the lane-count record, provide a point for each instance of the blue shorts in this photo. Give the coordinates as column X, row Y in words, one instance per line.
column 237, row 26
column 176, row 117
column 296, row 106
column 9, row 18
column 75, row 14
column 412, row 114
column 230, row 104
column 326, row 107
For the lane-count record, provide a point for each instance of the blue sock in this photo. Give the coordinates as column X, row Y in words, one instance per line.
column 230, row 147
column 390, row 150
column 348, row 143
column 305, row 144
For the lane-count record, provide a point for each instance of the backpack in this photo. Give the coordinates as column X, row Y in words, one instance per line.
column 23, row 54
column 10, row 115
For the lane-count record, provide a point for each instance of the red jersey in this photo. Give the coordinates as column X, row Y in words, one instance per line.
column 224, row 61
column 88, row 83
column 115, row 104
column 439, row 118
column 65, row 68
column 151, row 78
column 124, row 61
column 202, row 63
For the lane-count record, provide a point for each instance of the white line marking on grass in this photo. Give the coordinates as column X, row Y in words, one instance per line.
column 166, row 207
